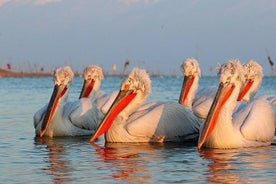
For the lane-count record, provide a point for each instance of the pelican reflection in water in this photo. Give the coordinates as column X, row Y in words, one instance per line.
column 58, row 166
column 241, row 165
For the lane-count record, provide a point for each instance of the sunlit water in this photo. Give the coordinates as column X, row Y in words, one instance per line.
column 25, row 159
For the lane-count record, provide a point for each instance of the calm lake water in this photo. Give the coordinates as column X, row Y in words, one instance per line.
column 26, row 159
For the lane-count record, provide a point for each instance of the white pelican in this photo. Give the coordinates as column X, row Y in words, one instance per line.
column 199, row 102
column 248, row 128
column 153, row 122
column 253, row 73
column 93, row 76
column 254, row 76
column 62, row 118
column 191, row 73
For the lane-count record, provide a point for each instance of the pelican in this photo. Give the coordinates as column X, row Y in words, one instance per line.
column 253, row 73
column 248, row 128
column 254, row 76
column 128, row 120
column 198, row 102
column 62, row 118
column 191, row 73
column 93, row 76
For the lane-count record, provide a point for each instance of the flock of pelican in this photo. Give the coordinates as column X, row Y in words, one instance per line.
column 223, row 116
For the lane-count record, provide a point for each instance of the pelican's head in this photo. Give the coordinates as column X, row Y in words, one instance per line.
column 253, row 73
column 92, row 80
column 138, row 82
column 63, row 76
column 190, row 67
column 134, row 91
column 231, row 77
column 231, row 72
column 62, row 79
column 191, row 73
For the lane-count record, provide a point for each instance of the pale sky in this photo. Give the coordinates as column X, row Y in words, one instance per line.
column 154, row 34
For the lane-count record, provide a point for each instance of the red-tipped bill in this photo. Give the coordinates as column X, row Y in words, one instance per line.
column 186, row 86
column 223, row 93
column 122, row 100
column 59, row 91
column 247, row 86
column 87, row 87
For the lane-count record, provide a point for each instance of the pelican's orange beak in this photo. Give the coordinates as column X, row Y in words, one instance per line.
column 186, row 86
column 122, row 100
column 224, row 92
column 59, row 91
column 247, row 86
column 87, row 87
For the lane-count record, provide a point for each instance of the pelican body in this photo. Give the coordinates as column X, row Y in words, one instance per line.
column 128, row 120
column 252, row 126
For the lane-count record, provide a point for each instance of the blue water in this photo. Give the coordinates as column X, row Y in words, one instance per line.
column 26, row 159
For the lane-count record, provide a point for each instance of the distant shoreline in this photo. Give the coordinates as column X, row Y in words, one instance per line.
column 8, row 73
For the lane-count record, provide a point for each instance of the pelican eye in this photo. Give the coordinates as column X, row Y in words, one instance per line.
column 88, row 77
column 126, row 87
column 130, row 81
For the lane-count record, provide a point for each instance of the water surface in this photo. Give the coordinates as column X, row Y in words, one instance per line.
column 27, row 159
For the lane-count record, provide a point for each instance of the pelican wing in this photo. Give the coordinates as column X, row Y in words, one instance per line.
column 256, row 121
column 272, row 101
column 105, row 101
column 164, row 122
column 203, row 101
column 84, row 114
column 201, row 109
